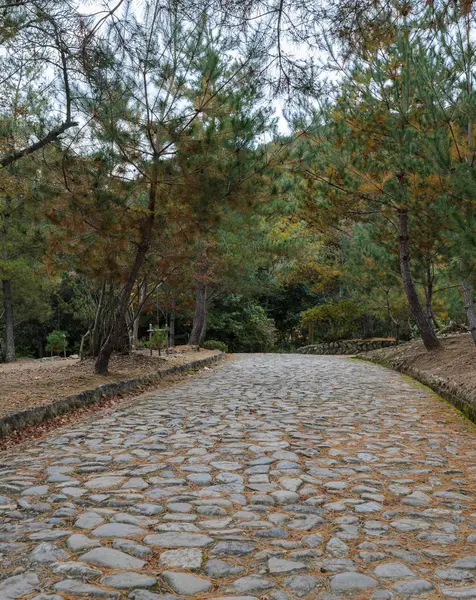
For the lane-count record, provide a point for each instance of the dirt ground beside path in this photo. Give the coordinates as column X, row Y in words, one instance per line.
column 27, row 383
column 456, row 360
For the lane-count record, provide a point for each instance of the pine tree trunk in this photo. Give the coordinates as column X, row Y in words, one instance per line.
column 430, row 314
column 135, row 331
column 199, row 329
column 95, row 344
column 469, row 306
column 172, row 328
column 136, row 316
column 424, row 325
column 117, row 327
column 9, row 330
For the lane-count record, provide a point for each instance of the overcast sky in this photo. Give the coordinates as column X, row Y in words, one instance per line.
column 92, row 6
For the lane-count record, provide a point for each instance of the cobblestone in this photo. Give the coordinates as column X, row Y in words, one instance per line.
column 276, row 476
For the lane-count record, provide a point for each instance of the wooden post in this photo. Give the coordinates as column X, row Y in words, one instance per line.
column 150, row 332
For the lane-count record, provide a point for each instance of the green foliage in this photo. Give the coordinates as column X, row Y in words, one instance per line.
column 158, row 339
column 333, row 321
column 215, row 345
column 170, row 160
column 242, row 324
column 56, row 341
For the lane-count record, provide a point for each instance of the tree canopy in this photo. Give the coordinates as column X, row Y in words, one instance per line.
column 147, row 172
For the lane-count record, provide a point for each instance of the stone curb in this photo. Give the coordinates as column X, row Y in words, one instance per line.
column 345, row 347
column 38, row 414
column 462, row 399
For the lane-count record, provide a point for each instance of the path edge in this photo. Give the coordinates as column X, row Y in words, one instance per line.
column 463, row 400
column 38, row 414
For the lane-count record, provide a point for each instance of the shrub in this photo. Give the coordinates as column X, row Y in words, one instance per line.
column 56, row 342
column 333, row 321
column 158, row 339
column 242, row 324
column 215, row 345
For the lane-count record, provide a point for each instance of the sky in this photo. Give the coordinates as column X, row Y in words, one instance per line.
column 279, row 104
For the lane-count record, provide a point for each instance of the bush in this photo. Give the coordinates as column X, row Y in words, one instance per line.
column 158, row 339
column 242, row 324
column 332, row 321
column 56, row 342
column 215, row 345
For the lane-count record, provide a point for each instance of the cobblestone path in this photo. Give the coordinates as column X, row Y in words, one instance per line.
column 274, row 477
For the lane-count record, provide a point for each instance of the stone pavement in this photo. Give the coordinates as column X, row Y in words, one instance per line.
column 275, row 477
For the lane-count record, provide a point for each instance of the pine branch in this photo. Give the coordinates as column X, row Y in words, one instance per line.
column 52, row 136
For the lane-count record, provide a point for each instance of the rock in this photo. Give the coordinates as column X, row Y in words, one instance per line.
column 280, row 595
column 131, row 548
column 262, row 499
column 250, row 583
column 78, row 542
column 406, row 525
column 467, row 593
column 211, row 511
column 104, row 483
column 146, row 595
column 199, row 479
column 277, row 566
column 435, row 537
column 313, row 540
column 368, row 507
column 46, row 553
column 18, row 586
column 236, row 598
column 213, row 524
column 416, row 499
column 232, row 549
column 218, row 568
column 179, row 507
column 112, row 559
column 381, row 595
column 185, row 558
column 118, row 530
column 49, row 535
column 146, row 508
column 292, row 484
column 337, row 565
column 127, row 580
column 369, row 557
column 413, row 588
column 301, row 585
column 178, row 540
column 337, row 548
column 77, row 570
column 88, row 520
column 135, row 483
column 352, row 582
column 454, row 574
column 78, row 588
column 183, row 583
column 467, row 562
column 285, row 498
column 393, row 570
column 305, row 523
column 39, row 490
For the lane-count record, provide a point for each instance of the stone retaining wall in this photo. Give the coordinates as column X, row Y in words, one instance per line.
column 38, row 414
column 346, row 347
